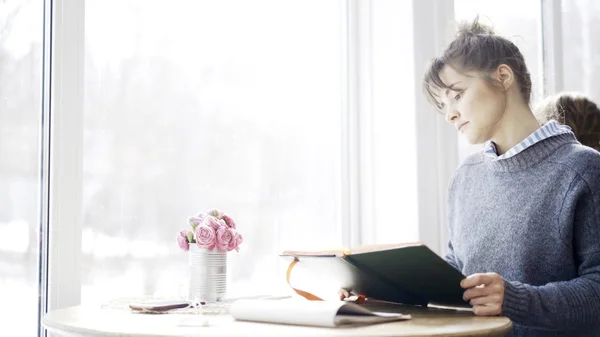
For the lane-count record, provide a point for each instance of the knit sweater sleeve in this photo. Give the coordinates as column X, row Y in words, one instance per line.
column 573, row 303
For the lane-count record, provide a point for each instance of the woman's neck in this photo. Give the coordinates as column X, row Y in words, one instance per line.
column 517, row 123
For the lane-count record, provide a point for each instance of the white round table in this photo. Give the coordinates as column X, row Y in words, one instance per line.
column 96, row 321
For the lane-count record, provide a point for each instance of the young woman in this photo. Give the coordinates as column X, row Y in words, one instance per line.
column 524, row 214
column 578, row 112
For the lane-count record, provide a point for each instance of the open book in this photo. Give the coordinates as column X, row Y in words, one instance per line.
column 404, row 273
column 313, row 313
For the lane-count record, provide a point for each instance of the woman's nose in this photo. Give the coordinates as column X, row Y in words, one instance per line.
column 451, row 114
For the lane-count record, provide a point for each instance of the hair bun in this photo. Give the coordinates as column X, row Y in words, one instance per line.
column 474, row 28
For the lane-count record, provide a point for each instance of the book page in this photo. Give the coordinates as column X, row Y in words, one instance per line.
column 292, row 311
column 378, row 247
column 342, row 320
column 447, row 307
column 343, row 252
column 312, row 313
column 355, row 314
column 330, row 253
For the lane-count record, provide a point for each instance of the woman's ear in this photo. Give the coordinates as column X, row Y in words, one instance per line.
column 505, row 76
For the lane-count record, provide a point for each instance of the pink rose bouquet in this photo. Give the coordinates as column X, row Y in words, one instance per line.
column 212, row 230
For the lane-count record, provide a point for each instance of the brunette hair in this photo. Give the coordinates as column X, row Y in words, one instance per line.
column 576, row 111
column 477, row 48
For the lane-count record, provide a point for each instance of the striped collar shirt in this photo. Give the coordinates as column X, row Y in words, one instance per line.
column 550, row 129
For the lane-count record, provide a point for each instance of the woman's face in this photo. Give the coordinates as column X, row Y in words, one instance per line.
column 472, row 104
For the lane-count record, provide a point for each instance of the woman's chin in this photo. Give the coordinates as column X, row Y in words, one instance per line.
column 474, row 139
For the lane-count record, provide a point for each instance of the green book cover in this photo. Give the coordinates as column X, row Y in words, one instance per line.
column 410, row 274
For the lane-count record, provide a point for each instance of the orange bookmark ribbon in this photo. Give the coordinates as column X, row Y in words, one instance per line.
column 302, row 293
column 359, row 299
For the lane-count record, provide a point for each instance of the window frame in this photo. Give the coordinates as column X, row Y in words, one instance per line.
column 62, row 166
column 552, row 49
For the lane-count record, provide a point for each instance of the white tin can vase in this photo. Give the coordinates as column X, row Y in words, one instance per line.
column 208, row 274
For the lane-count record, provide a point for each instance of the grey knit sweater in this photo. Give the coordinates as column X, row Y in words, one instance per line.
column 534, row 219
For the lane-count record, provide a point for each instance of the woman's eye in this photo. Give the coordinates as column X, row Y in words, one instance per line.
column 440, row 106
column 458, row 96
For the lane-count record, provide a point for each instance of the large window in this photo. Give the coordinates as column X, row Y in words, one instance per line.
column 21, row 32
column 229, row 104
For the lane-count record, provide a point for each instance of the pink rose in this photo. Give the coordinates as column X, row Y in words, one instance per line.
column 215, row 212
column 224, row 237
column 182, row 240
column 233, row 243
column 212, row 222
column 205, row 237
column 229, row 221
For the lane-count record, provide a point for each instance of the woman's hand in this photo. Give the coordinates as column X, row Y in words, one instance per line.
column 344, row 294
column 485, row 292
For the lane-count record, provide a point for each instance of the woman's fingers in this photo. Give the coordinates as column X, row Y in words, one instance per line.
column 343, row 293
column 485, row 300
